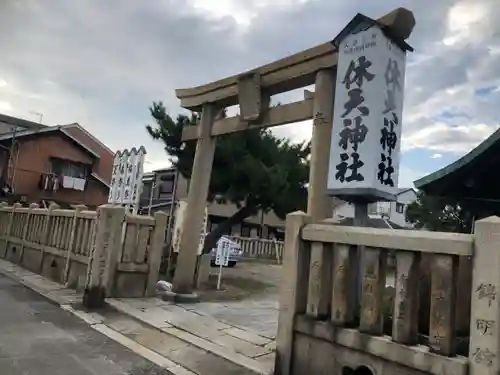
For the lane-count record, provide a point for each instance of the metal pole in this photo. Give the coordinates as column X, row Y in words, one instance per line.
column 11, row 167
column 153, row 187
column 169, row 248
column 172, row 207
column 219, row 279
column 360, row 220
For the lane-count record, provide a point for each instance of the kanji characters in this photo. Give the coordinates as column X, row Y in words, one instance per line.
column 353, row 135
column 354, row 166
column 354, row 132
column 385, row 170
column 357, row 72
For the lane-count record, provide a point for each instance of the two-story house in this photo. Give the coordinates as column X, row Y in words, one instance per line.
column 163, row 186
column 381, row 214
column 63, row 164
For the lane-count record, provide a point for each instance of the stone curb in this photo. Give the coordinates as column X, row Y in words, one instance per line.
column 94, row 320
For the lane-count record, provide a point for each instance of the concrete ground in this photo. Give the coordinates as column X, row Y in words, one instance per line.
column 39, row 338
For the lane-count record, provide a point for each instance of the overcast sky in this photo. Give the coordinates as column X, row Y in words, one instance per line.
column 102, row 63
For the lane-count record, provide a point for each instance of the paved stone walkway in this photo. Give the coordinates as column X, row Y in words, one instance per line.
column 242, row 332
column 37, row 337
column 259, row 315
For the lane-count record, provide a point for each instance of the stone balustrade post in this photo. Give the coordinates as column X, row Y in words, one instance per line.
column 485, row 303
column 156, row 252
column 79, row 208
column 26, row 228
column 105, row 256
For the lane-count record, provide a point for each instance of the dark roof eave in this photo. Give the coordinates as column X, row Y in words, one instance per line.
column 20, row 122
column 48, row 130
column 425, row 183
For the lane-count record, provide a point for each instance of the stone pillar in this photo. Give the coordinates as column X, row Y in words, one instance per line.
column 196, row 203
column 105, row 256
column 485, row 304
column 319, row 203
column 293, row 290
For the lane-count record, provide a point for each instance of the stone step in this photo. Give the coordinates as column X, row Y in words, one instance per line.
column 186, row 355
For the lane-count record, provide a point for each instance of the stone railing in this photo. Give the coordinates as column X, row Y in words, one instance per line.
column 61, row 245
column 260, row 248
column 323, row 327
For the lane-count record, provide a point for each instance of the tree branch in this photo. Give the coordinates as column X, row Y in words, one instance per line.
column 214, row 236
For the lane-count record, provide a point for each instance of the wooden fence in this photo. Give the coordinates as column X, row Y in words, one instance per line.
column 260, row 248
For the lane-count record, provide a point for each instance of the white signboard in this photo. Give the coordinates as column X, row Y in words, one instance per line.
column 223, row 252
column 180, row 210
column 367, row 118
column 126, row 178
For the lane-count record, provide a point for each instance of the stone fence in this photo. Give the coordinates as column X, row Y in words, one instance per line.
column 63, row 245
column 324, row 329
column 260, row 248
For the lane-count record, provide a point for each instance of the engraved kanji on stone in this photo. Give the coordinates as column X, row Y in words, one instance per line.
column 486, row 291
column 483, row 356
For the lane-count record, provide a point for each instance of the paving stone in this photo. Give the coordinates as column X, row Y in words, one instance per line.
column 240, row 346
column 267, row 359
column 125, row 326
column 247, row 336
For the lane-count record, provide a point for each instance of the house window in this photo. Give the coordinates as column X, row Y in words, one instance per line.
column 166, row 187
column 372, row 209
column 146, row 190
column 68, row 168
column 246, row 230
column 400, row 208
column 212, row 226
column 215, row 222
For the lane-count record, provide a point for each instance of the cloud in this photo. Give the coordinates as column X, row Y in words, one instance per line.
column 102, row 63
column 436, row 156
column 408, row 175
column 440, row 136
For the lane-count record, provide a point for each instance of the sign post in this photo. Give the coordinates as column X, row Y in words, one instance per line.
column 222, row 257
column 367, row 118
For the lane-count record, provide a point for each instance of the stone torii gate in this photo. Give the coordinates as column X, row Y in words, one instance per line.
column 252, row 91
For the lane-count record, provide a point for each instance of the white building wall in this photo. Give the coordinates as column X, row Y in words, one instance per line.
column 344, row 210
column 397, row 214
column 394, row 211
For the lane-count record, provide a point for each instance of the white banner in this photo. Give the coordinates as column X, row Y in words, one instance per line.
column 180, row 211
column 126, row 178
column 367, row 118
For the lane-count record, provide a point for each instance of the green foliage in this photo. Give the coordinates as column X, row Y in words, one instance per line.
column 253, row 169
column 439, row 214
